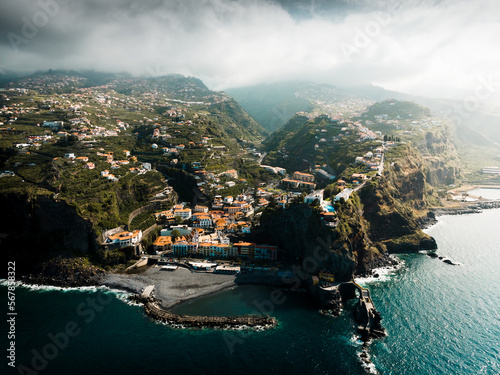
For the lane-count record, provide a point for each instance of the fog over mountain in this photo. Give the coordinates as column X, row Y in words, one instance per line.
column 438, row 48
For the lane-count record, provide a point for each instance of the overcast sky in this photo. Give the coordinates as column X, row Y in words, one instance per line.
column 429, row 47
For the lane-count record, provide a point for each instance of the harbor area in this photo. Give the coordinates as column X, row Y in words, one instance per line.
column 172, row 287
column 154, row 310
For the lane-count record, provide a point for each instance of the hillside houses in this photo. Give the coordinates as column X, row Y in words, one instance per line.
column 124, row 239
column 373, row 160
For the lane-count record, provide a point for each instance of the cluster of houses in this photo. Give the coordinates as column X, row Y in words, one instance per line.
column 226, row 216
column 300, row 180
column 183, row 240
column 114, row 164
column 373, row 160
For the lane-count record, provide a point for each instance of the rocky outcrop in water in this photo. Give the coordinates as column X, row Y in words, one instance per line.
column 72, row 272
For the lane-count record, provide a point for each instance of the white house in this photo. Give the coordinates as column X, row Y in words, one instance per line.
column 124, row 239
column 184, row 213
column 203, row 222
column 318, row 194
column 232, row 173
column 344, row 194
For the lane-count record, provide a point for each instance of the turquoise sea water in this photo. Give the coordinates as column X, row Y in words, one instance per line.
column 121, row 340
column 445, row 319
column 441, row 319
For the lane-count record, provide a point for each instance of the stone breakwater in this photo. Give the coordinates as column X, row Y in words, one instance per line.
column 475, row 208
column 465, row 209
column 155, row 311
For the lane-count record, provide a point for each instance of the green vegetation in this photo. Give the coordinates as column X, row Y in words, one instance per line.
column 272, row 105
column 143, row 221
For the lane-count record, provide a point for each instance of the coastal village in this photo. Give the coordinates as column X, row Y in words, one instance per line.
column 174, row 183
column 101, row 120
column 47, row 126
column 89, row 116
column 284, row 187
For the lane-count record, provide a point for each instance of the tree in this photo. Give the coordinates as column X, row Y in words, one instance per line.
column 178, row 220
column 315, row 203
column 175, row 234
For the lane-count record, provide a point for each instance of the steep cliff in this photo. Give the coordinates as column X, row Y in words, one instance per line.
column 381, row 218
column 306, row 240
column 394, row 203
column 37, row 227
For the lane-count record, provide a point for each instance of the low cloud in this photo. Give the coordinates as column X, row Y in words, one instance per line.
column 434, row 48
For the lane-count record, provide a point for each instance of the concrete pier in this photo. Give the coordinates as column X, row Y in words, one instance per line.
column 147, row 292
column 367, row 316
column 155, row 311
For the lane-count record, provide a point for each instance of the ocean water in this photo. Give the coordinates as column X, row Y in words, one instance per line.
column 444, row 319
column 441, row 319
column 115, row 337
column 485, row 193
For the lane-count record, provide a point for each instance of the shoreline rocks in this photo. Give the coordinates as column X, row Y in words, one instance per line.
column 475, row 208
column 67, row 273
column 384, row 261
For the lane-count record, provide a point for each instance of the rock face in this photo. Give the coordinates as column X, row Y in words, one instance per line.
column 306, row 241
column 411, row 244
column 391, row 204
column 328, row 299
column 369, row 320
column 61, row 272
column 38, row 226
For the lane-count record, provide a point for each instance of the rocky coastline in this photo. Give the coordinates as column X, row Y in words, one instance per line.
column 65, row 273
column 370, row 267
column 474, row 208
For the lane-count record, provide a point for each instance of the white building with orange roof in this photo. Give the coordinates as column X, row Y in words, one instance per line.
column 202, row 221
column 124, row 239
column 162, row 243
column 199, row 208
column 303, row 177
column 232, row 173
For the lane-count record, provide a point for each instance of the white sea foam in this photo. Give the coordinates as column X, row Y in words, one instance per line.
column 365, row 360
column 356, row 340
column 51, row 288
column 384, row 273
